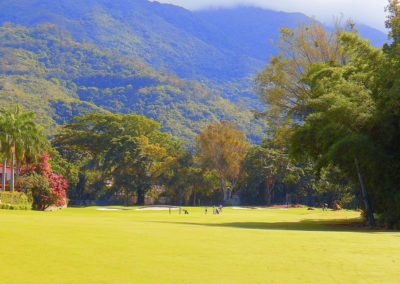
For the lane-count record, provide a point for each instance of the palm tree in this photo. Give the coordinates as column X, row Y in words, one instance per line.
column 21, row 137
column 3, row 149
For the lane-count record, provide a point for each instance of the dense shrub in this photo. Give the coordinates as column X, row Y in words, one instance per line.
column 38, row 186
column 14, row 200
column 46, row 188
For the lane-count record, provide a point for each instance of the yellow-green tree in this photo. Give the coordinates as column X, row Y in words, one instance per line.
column 280, row 84
column 222, row 147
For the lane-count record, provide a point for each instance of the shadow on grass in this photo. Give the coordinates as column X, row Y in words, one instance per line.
column 317, row 225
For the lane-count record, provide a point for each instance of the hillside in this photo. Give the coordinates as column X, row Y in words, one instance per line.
column 217, row 45
column 46, row 71
column 81, row 56
column 163, row 36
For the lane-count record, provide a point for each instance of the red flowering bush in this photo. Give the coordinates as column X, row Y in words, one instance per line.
column 58, row 187
column 47, row 188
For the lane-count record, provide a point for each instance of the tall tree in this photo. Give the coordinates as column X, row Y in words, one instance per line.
column 133, row 163
column 222, row 147
column 342, row 113
column 127, row 148
column 266, row 168
column 22, row 138
column 393, row 21
column 187, row 183
column 281, row 85
column 329, row 94
column 4, row 151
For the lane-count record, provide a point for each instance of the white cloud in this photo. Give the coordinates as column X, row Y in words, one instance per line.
column 370, row 12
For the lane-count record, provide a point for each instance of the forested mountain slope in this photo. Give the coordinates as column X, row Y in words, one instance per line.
column 46, row 71
column 217, row 45
column 164, row 36
column 100, row 55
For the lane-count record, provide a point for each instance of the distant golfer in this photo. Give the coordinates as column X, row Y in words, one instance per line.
column 205, row 210
column 180, row 210
column 220, row 208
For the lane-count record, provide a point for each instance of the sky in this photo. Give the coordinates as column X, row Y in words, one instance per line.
column 369, row 12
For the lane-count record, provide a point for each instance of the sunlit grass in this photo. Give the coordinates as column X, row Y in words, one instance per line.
column 238, row 246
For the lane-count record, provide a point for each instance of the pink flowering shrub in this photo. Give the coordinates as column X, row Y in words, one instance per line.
column 47, row 188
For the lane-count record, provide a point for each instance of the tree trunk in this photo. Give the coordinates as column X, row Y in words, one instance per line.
column 268, row 195
column 140, row 199
column 367, row 204
column 80, row 187
column 126, row 199
column 13, row 171
column 18, row 169
column 233, row 184
column 194, row 197
column 224, row 190
column 4, row 175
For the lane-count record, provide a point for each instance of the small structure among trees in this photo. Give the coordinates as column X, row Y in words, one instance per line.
column 6, row 171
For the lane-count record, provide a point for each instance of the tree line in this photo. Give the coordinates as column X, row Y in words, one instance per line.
column 124, row 158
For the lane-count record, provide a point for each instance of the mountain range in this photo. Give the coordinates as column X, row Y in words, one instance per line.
column 183, row 68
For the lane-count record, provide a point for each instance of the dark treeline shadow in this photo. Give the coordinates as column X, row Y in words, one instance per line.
column 317, row 225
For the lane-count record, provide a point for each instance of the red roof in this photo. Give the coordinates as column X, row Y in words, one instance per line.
column 8, row 169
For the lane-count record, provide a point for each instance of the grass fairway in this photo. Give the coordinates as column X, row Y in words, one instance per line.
column 239, row 246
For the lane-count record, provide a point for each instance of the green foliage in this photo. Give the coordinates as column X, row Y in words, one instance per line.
column 342, row 115
column 186, row 183
column 133, row 162
column 281, row 84
column 346, row 119
column 21, row 140
column 129, row 150
column 13, row 200
column 39, row 188
column 61, row 166
column 393, row 20
column 267, row 173
column 21, row 136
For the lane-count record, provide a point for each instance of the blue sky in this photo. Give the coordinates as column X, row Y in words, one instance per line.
column 370, row 12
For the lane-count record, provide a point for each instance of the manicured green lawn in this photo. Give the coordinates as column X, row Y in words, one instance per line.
column 239, row 246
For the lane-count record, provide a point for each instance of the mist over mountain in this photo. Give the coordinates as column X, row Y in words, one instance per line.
column 255, row 31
